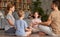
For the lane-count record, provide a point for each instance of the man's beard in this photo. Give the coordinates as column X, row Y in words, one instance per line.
column 52, row 8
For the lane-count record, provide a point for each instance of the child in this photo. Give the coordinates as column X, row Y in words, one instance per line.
column 21, row 26
column 35, row 22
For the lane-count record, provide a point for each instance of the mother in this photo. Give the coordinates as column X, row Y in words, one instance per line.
column 10, row 19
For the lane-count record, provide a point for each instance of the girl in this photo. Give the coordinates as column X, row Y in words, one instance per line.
column 21, row 26
column 10, row 19
column 35, row 21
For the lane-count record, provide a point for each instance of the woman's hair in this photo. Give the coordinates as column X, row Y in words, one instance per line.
column 20, row 13
column 57, row 3
column 9, row 5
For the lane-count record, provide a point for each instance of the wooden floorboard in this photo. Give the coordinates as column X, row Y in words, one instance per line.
column 2, row 34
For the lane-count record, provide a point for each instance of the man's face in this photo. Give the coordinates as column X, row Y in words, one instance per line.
column 53, row 6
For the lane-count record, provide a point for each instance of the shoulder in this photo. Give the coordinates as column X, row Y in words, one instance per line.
column 54, row 12
column 16, row 20
column 51, row 12
column 24, row 21
column 8, row 15
column 20, row 21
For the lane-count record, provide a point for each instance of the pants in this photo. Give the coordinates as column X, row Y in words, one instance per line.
column 46, row 30
column 10, row 31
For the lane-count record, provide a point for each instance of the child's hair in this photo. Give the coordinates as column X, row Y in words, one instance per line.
column 9, row 5
column 20, row 13
column 34, row 13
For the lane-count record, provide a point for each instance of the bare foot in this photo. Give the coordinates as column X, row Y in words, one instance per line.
column 42, row 34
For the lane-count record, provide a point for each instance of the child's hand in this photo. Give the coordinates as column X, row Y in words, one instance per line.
column 28, row 29
column 38, row 22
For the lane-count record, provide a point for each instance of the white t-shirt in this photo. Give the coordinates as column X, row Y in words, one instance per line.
column 35, row 27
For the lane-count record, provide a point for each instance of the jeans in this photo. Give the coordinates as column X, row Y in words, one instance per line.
column 10, row 31
column 46, row 30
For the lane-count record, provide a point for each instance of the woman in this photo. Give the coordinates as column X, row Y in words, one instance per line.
column 10, row 19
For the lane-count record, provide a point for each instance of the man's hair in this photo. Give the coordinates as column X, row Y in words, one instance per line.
column 20, row 13
column 57, row 3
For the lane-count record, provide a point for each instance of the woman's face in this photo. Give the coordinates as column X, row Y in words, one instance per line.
column 13, row 9
column 36, row 15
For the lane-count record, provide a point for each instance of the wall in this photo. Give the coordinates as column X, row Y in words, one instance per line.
column 46, row 4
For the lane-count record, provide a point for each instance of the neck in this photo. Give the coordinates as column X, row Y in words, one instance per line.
column 35, row 17
column 21, row 18
column 10, row 12
column 56, row 9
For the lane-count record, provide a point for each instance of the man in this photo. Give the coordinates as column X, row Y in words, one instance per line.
column 54, row 18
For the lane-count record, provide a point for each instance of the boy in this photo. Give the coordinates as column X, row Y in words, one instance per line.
column 21, row 26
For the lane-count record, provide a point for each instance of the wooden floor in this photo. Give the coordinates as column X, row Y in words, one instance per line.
column 2, row 34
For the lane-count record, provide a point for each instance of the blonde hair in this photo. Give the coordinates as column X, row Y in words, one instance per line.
column 20, row 13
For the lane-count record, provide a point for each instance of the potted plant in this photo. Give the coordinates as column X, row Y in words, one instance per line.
column 36, row 6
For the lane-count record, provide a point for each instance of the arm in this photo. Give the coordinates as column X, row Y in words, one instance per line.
column 48, row 22
column 10, row 22
column 30, row 25
column 27, row 28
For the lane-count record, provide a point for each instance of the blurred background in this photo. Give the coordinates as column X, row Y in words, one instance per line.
column 43, row 6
